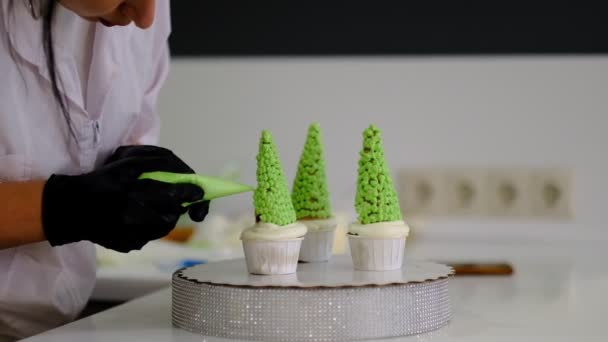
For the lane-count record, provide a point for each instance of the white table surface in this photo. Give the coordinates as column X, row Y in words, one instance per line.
column 125, row 277
column 551, row 299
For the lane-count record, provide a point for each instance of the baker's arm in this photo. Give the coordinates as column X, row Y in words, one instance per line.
column 20, row 213
column 109, row 206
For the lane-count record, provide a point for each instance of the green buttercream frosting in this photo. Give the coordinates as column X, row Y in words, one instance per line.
column 309, row 195
column 271, row 198
column 376, row 199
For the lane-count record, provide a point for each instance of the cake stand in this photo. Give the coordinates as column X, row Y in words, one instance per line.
column 321, row 302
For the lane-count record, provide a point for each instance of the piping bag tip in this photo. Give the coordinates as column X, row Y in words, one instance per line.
column 212, row 186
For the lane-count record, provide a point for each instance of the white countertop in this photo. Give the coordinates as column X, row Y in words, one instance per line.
column 123, row 277
column 548, row 299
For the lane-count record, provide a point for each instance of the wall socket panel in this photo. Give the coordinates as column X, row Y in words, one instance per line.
column 526, row 193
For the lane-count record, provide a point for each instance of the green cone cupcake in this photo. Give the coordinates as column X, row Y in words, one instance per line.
column 377, row 239
column 272, row 245
column 310, row 198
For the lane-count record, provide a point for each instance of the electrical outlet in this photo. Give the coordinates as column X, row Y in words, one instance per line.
column 523, row 193
column 552, row 193
column 420, row 192
column 508, row 192
column 465, row 192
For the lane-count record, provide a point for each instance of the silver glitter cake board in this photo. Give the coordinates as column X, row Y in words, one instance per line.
column 321, row 302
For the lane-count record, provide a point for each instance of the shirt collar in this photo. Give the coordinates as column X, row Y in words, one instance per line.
column 25, row 34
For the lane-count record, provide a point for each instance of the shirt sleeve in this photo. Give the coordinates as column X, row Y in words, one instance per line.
column 146, row 130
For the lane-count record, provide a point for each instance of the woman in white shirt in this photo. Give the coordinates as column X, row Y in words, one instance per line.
column 78, row 117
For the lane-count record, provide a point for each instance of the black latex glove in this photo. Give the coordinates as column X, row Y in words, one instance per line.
column 114, row 209
column 197, row 211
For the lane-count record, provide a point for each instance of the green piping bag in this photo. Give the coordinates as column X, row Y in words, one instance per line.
column 214, row 187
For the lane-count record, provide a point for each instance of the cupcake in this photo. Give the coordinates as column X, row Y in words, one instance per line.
column 310, row 199
column 272, row 244
column 377, row 240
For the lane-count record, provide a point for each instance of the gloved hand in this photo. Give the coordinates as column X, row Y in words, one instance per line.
column 197, row 211
column 114, row 209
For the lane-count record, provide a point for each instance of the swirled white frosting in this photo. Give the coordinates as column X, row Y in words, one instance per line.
column 272, row 232
column 380, row 230
column 320, row 225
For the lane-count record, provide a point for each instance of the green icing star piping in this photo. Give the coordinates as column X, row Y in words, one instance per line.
column 310, row 196
column 271, row 198
column 376, row 199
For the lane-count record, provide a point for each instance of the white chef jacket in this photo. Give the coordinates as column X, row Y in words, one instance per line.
column 40, row 286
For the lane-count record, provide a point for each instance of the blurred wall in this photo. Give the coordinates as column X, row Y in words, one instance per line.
column 519, row 111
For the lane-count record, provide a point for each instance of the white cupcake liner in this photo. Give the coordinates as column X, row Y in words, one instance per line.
column 370, row 254
column 317, row 245
column 272, row 257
